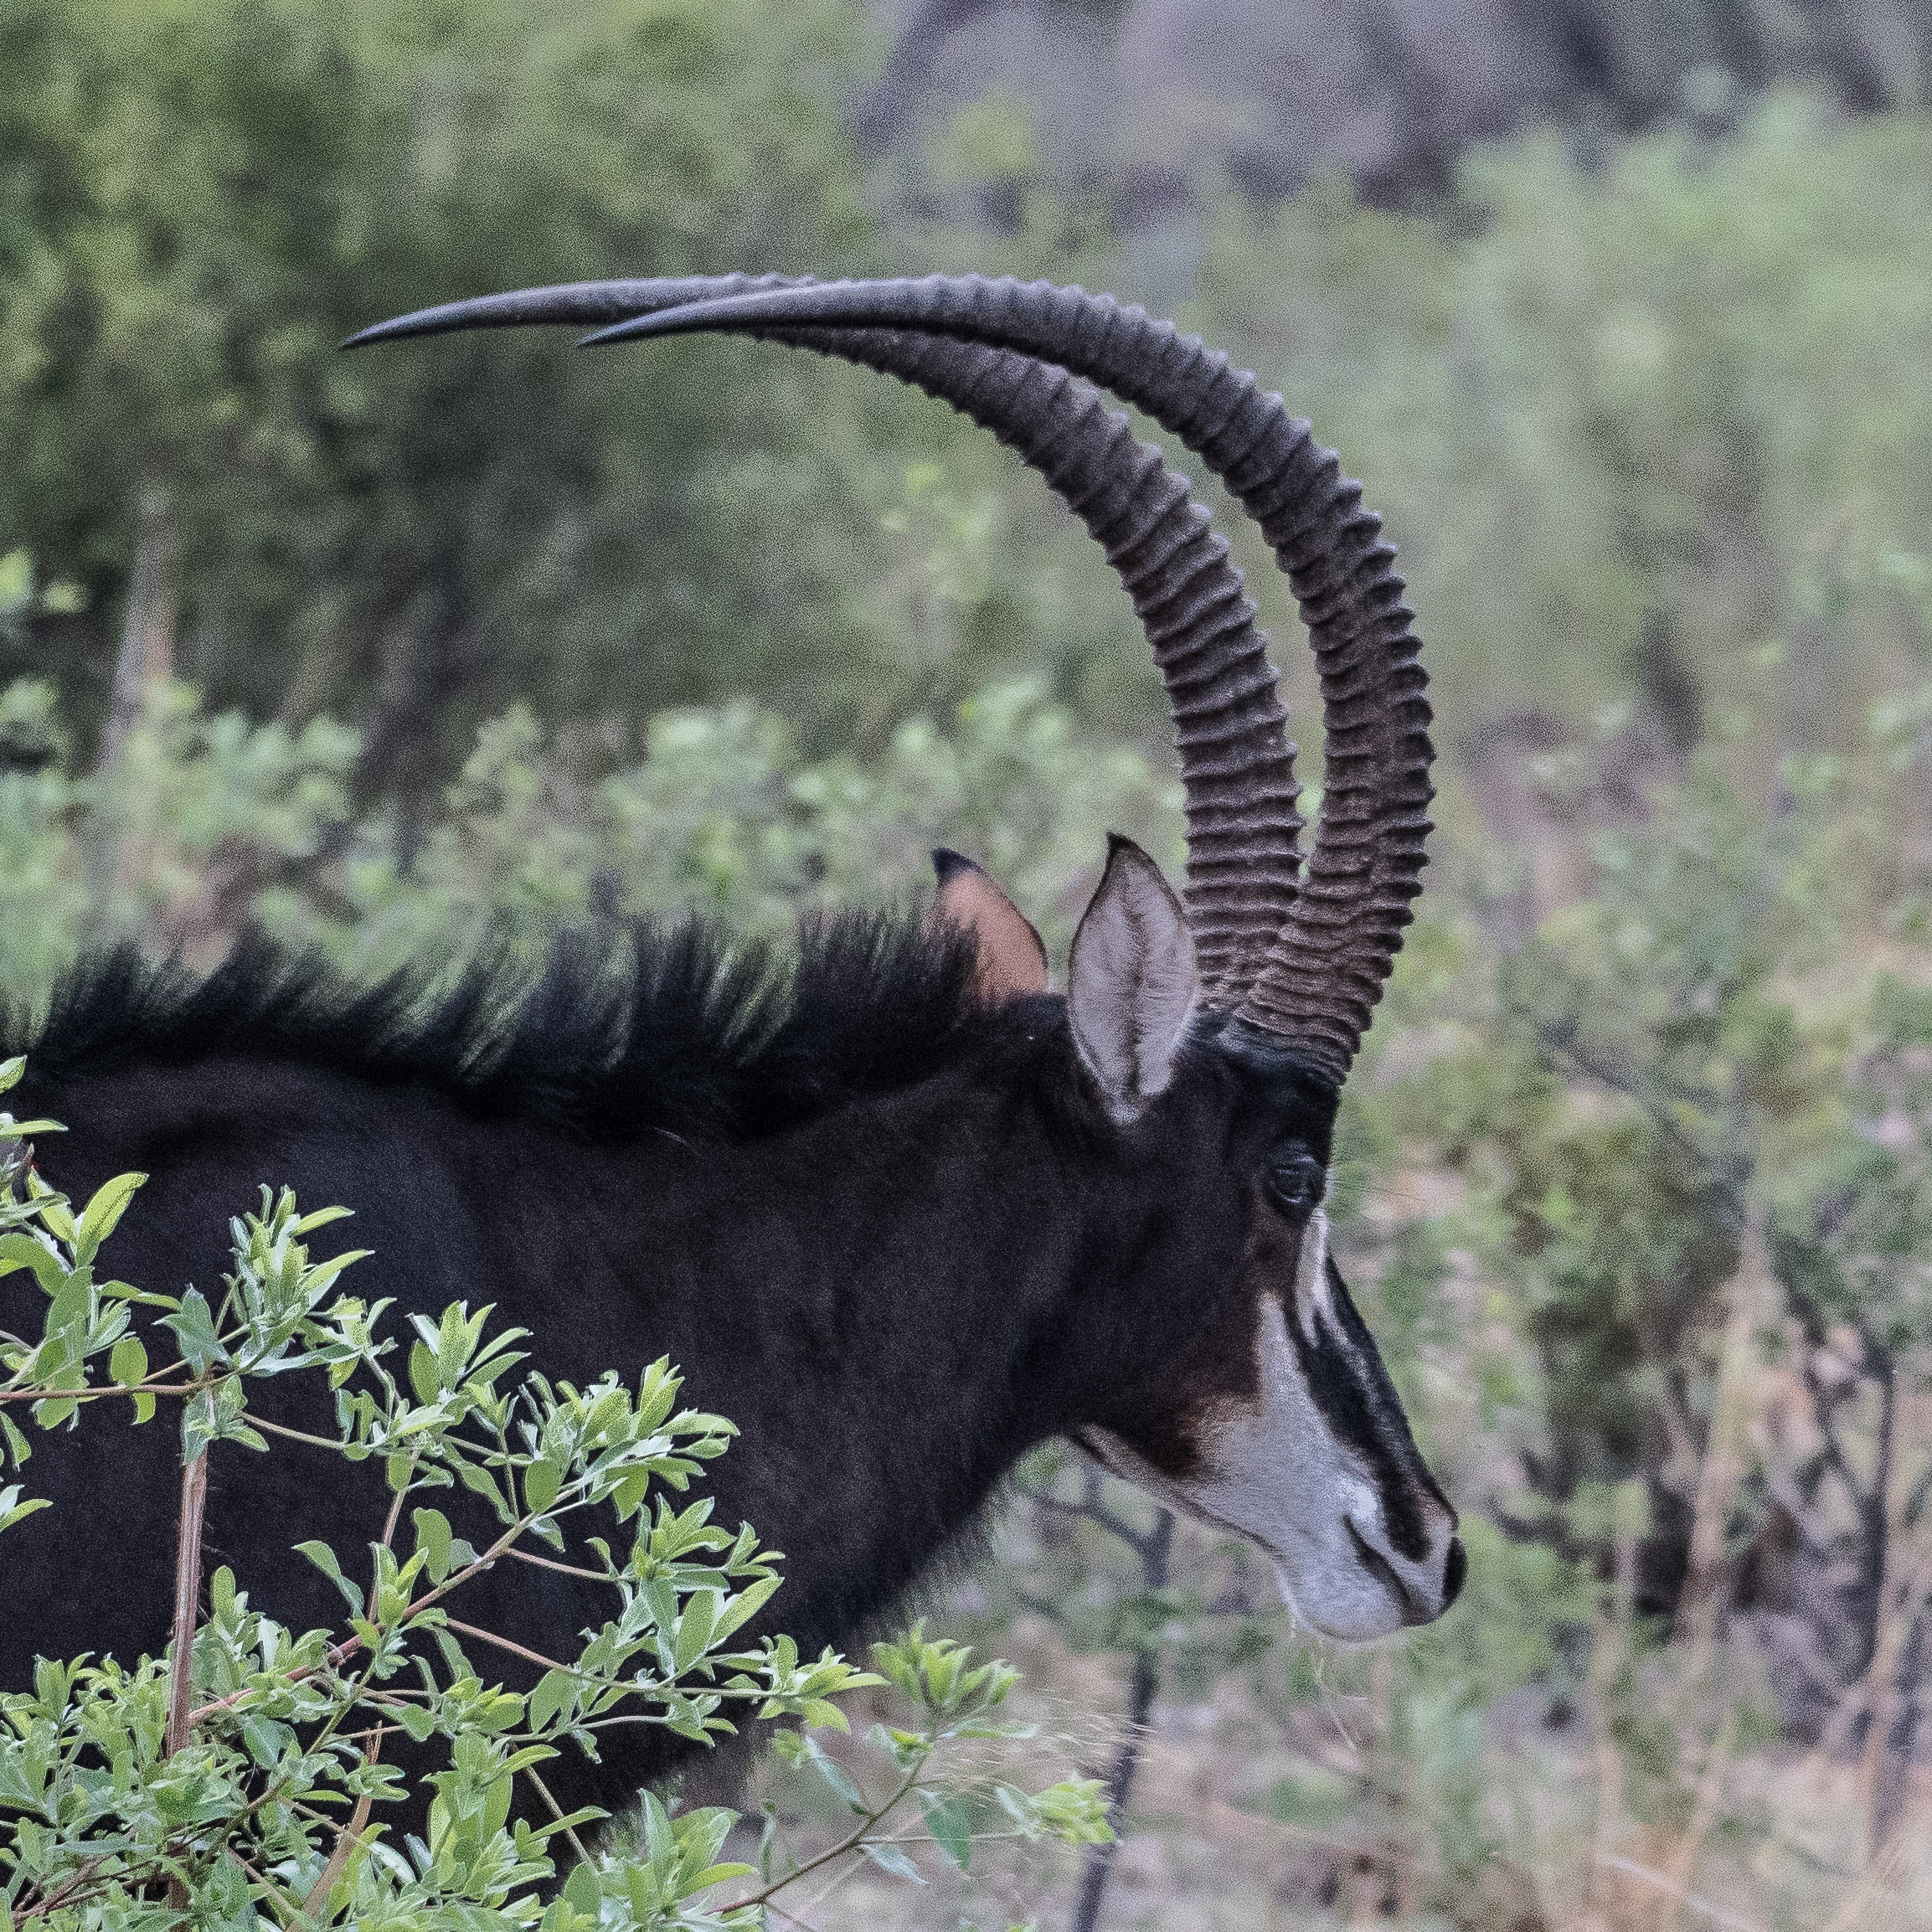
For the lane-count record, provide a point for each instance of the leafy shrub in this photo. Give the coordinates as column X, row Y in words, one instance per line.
column 239, row 1778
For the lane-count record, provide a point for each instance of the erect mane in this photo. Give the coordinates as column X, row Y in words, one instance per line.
column 629, row 1029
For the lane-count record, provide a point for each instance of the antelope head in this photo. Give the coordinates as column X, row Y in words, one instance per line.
column 1214, row 1028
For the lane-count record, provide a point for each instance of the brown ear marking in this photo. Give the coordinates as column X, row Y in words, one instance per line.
column 1012, row 957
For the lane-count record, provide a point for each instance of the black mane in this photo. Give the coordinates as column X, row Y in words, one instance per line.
column 628, row 1029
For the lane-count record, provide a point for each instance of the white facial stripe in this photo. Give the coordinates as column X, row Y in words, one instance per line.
column 1279, row 1475
column 1312, row 1296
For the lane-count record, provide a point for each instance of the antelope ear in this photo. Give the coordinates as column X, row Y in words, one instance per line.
column 1012, row 957
column 1132, row 980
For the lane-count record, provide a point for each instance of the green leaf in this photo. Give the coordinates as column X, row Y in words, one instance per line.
column 54, row 1214
column 890, row 1858
column 717, row 1875
column 434, row 1537
column 102, row 1214
column 20, row 1249
column 11, row 1070
column 555, row 1692
column 745, row 1606
column 322, row 1217
column 423, row 1374
column 12, row 1510
column 694, row 1629
column 542, row 1481
column 192, row 1325
column 265, row 1739
column 128, row 1363
column 581, row 1891
column 73, row 1301
column 414, row 1718
column 834, row 1774
column 324, row 1559
column 472, row 1476
column 950, row 1831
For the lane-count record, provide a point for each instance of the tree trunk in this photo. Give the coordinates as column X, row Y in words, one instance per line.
column 1751, row 1295
column 146, row 655
column 146, row 659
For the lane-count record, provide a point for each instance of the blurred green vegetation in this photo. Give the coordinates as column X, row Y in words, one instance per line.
column 1633, row 422
column 205, row 823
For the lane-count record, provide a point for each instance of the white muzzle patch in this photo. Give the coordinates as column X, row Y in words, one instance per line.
column 1276, row 1474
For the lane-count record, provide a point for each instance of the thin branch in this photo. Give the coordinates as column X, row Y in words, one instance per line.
column 529, row 1657
column 187, row 1600
column 1091, row 1511
column 562, row 1569
column 348, row 1837
column 850, row 1842
column 630, row 1686
column 61, row 1894
column 1099, row 1859
column 557, row 1812
column 100, row 1391
column 1672, row 1889
column 261, row 1422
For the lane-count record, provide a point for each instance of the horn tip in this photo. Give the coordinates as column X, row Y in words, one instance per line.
column 661, row 322
column 381, row 331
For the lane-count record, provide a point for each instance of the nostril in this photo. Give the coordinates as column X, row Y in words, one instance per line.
column 1454, row 1571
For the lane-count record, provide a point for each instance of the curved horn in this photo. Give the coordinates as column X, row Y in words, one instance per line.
column 1327, row 966
column 1237, row 767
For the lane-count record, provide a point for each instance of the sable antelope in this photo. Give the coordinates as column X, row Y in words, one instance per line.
column 897, row 1208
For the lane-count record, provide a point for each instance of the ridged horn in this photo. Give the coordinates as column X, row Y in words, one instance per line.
column 1237, row 766
column 1326, row 968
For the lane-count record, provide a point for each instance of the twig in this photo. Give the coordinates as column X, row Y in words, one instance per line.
column 187, row 1600
column 347, row 1837
column 529, row 1657
column 389, row 1524
column 563, row 1568
column 1092, row 1511
column 102, row 1391
column 1099, row 1860
column 850, row 1842
column 557, row 1812
column 1672, row 1889
column 62, row 1893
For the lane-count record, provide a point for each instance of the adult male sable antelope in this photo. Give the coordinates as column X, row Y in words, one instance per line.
column 894, row 1207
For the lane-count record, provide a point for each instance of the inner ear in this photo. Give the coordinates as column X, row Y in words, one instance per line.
column 1011, row 956
column 1132, row 981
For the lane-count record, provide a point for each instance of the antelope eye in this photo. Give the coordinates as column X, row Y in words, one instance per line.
column 1296, row 1185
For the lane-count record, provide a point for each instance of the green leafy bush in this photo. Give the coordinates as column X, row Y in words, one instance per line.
column 239, row 1779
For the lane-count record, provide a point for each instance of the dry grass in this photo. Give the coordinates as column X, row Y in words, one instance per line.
column 1772, row 1840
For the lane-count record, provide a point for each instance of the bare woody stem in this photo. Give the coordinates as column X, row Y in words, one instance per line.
column 850, row 1842
column 187, row 1599
column 339, row 1654
column 349, row 1836
column 1154, row 1550
column 187, row 1608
